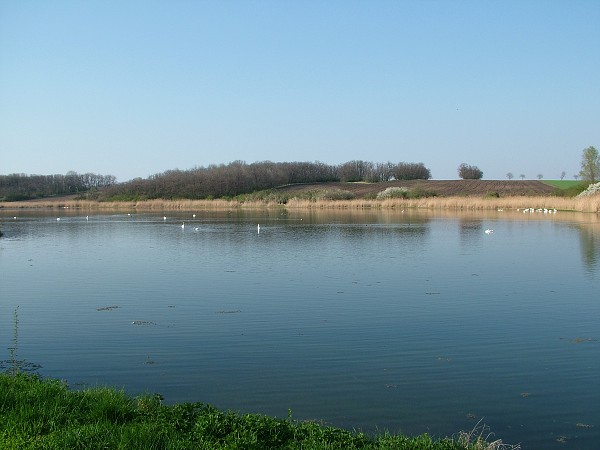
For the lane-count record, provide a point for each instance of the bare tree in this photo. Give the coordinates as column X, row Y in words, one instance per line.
column 540, row 176
column 510, row 175
column 562, row 174
column 522, row 176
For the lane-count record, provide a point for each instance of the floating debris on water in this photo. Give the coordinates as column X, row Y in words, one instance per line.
column 142, row 322
column 525, row 394
column 391, row 386
column 580, row 340
column 108, row 308
column 471, row 416
column 232, row 311
column 584, row 425
column 562, row 439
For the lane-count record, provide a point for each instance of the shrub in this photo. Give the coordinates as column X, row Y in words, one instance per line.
column 419, row 192
column 592, row 189
column 393, row 192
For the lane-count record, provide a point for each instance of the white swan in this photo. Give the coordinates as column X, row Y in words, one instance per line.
column 489, row 231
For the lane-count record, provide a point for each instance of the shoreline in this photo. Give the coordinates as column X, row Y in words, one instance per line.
column 589, row 204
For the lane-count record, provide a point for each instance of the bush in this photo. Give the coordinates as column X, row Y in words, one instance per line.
column 592, row 189
column 393, row 192
column 419, row 192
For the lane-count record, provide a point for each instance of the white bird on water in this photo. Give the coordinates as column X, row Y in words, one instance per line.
column 489, row 231
column 183, row 225
column 258, row 229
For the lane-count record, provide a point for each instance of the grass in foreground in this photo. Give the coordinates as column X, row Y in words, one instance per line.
column 46, row 414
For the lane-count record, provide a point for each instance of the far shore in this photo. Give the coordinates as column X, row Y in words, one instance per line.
column 589, row 204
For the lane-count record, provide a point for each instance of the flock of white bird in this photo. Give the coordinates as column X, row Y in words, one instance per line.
column 488, row 231
column 542, row 210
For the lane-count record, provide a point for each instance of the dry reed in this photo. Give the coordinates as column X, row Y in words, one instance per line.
column 590, row 204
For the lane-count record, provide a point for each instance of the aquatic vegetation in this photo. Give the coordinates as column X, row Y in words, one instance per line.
column 142, row 322
column 107, row 308
column 14, row 365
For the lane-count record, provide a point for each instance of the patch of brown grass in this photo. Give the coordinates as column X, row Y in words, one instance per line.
column 582, row 204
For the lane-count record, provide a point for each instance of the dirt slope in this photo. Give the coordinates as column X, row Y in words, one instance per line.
column 442, row 188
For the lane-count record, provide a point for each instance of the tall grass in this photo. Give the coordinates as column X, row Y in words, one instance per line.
column 581, row 204
column 590, row 204
column 46, row 414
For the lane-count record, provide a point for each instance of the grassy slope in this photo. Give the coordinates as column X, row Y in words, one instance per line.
column 562, row 184
column 45, row 414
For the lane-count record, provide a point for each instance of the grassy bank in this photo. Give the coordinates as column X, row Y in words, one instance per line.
column 46, row 414
column 584, row 204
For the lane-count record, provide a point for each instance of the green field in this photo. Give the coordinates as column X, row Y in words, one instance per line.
column 562, row 184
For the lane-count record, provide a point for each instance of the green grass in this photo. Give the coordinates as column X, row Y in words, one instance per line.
column 567, row 188
column 45, row 414
column 562, row 184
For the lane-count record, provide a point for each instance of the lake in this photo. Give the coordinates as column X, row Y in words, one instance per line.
column 408, row 321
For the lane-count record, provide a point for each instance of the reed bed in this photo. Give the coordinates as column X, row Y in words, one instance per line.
column 589, row 204
column 584, row 204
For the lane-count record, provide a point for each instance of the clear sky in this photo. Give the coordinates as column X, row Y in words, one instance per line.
column 133, row 88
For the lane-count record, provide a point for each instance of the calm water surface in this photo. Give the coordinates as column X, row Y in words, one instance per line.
column 404, row 321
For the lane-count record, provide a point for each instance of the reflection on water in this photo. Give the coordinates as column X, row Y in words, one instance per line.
column 589, row 242
column 402, row 320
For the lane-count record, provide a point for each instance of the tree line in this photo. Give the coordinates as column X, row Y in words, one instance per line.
column 238, row 177
column 19, row 186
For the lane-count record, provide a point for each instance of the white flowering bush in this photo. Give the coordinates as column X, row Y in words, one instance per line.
column 393, row 192
column 591, row 190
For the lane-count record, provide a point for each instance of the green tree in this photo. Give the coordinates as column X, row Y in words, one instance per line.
column 590, row 165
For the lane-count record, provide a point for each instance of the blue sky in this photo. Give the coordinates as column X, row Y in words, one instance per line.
column 134, row 88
